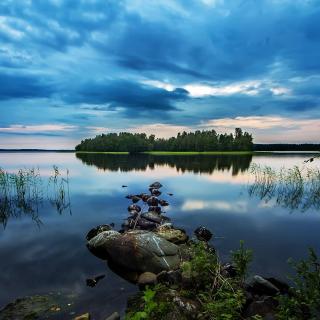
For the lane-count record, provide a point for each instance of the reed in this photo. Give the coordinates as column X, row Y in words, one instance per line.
column 22, row 193
column 292, row 188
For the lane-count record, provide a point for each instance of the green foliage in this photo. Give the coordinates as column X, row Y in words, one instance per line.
column 152, row 309
column 197, row 141
column 221, row 298
column 303, row 302
column 225, row 305
column 241, row 259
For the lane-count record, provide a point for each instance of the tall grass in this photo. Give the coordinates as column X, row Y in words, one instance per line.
column 24, row 192
column 293, row 188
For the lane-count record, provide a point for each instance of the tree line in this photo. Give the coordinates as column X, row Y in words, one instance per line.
column 198, row 141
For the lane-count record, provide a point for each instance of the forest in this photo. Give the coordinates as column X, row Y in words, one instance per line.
column 198, row 141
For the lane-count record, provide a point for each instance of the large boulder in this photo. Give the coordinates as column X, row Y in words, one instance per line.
column 136, row 250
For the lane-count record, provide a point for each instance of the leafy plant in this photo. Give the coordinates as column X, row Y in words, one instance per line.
column 303, row 301
column 151, row 308
column 241, row 259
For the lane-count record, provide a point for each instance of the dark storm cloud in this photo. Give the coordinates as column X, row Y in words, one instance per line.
column 134, row 98
column 23, row 86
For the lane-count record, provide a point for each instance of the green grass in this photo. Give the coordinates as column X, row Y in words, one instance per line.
column 104, row 152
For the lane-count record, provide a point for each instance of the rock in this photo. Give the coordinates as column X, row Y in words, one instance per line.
column 144, row 197
column 163, row 203
column 203, row 234
column 94, row 231
column 155, row 209
column 85, row 316
column 97, row 245
column 114, row 316
column 135, row 199
column 155, row 192
column 147, row 278
column 260, row 286
column 265, row 307
column 171, row 277
column 136, row 250
column 228, row 270
column 176, row 236
column 281, row 285
column 134, row 207
column 141, row 222
column 155, row 185
column 92, row 282
column 153, row 201
column 152, row 216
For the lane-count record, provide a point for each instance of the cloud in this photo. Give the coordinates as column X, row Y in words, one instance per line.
column 45, row 129
column 130, row 97
column 271, row 129
column 137, row 64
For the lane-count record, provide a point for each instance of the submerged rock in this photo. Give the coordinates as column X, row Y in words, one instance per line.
column 45, row 306
column 85, row 316
column 265, row 307
column 136, row 250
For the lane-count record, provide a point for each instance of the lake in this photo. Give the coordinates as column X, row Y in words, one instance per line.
column 207, row 190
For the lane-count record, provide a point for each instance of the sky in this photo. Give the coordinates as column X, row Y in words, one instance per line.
column 72, row 69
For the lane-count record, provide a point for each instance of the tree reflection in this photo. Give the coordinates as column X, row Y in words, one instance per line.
column 190, row 163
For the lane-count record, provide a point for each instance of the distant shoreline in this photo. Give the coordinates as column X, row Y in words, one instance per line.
column 163, row 153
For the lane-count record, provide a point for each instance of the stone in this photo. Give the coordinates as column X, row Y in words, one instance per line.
column 152, row 216
column 171, row 277
column 114, row 316
column 155, row 185
column 85, row 316
column 281, row 285
column 203, row 234
column 228, row 270
column 134, row 207
column 153, row 201
column 265, row 307
column 136, row 250
column 98, row 244
column 154, row 209
column 147, row 278
column 163, row 203
column 176, row 236
column 142, row 223
column 260, row 286
column 155, row 192
column 94, row 231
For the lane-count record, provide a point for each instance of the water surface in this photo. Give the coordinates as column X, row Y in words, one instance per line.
column 208, row 190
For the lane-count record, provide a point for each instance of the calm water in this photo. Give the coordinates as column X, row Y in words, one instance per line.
column 208, row 190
